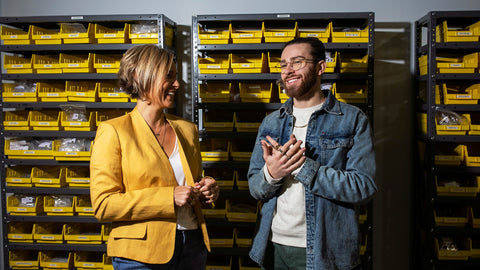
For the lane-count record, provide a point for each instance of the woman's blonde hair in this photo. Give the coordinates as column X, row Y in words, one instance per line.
column 142, row 69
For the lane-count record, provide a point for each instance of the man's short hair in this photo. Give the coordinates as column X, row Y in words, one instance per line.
column 317, row 51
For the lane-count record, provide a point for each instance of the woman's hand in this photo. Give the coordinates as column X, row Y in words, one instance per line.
column 208, row 189
column 185, row 195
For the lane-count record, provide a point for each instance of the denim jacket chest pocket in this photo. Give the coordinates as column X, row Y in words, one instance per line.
column 334, row 151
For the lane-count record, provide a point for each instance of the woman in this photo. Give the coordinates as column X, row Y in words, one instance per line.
column 145, row 172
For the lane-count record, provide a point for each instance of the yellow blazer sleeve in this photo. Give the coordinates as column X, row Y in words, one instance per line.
column 113, row 198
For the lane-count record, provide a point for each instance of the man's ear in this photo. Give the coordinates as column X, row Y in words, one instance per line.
column 323, row 65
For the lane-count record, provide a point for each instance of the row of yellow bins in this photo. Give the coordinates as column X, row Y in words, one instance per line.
column 279, row 31
column 469, row 33
column 228, row 178
column 50, row 205
column 465, row 64
column 62, row 63
column 220, row 149
column 227, row 237
column 452, row 94
column 457, row 248
column 454, row 154
column 465, row 124
column 269, row 62
column 83, row 91
column 56, row 120
column 48, row 176
column 76, row 33
column 66, row 149
column 244, row 210
column 457, row 216
column 50, row 259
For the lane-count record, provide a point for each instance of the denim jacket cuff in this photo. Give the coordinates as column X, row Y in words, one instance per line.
column 308, row 171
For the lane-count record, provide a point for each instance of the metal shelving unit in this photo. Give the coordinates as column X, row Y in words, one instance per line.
column 359, row 19
column 426, row 197
column 50, row 22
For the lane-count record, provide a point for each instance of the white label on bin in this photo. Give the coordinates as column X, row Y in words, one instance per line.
column 73, row 65
column 47, row 237
column 18, row 94
column 57, row 209
column 52, row 265
column 13, row 36
column 15, row 180
column 82, row 238
column 464, row 96
column 245, row 65
column 71, row 153
column 17, row 66
column 46, row 36
column 113, row 94
column 52, row 94
column 453, row 127
column 143, row 35
column 312, row 35
column 13, row 123
column 106, row 65
column 73, row 35
column 28, row 152
column 246, row 35
column 23, row 264
column 212, row 154
column 109, row 35
column 88, row 209
column 352, row 35
column 80, row 94
column 44, row 123
column 89, row 264
column 213, row 66
column 17, row 236
column 47, row 66
column 457, row 190
column 75, row 124
column 21, row 209
column 464, row 33
column 214, row 36
column 456, row 65
column 80, row 180
column 45, row 181
column 279, row 34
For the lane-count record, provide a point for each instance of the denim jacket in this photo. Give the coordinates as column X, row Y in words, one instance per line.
column 338, row 176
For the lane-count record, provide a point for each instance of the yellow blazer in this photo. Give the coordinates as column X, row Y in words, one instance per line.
column 132, row 186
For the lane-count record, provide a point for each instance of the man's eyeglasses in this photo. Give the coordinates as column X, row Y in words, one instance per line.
column 295, row 63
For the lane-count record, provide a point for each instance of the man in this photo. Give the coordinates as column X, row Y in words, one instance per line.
column 313, row 164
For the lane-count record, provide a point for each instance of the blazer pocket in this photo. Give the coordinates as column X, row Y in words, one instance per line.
column 133, row 231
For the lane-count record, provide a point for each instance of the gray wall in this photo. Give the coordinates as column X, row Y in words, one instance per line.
column 393, row 125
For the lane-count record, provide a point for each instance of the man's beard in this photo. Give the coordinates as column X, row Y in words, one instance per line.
column 305, row 87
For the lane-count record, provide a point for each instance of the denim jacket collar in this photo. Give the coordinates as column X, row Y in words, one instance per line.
column 331, row 105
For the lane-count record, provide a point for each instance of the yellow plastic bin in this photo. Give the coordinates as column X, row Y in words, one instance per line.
column 223, row 176
column 48, row 176
column 444, row 251
column 23, row 259
column 24, row 205
column 72, row 125
column 51, row 92
column 118, row 34
column 45, row 120
column 106, row 63
column 217, row 34
column 86, row 260
column 83, row 205
column 450, row 216
column 318, row 29
column 219, row 211
column 249, row 63
column 215, row 91
column 214, row 149
column 42, row 35
column 77, row 33
column 23, row 149
column 17, row 65
column 221, row 237
column 279, row 31
column 19, row 92
column 15, row 36
column 46, row 64
column 242, row 210
column 18, row 176
column 56, row 259
column 16, row 120
column 466, row 186
column 214, row 64
column 83, row 233
column 347, row 34
column 20, row 232
column 109, row 91
column 67, row 154
column 455, row 34
column 78, row 176
column 255, row 91
column 84, row 91
column 218, row 120
column 247, row 32
column 59, row 205
column 48, row 232
column 81, row 63
column 145, row 33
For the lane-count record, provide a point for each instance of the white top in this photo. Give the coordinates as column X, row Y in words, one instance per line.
column 289, row 222
column 186, row 219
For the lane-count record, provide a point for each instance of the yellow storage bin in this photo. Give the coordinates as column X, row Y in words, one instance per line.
column 83, row 233
column 18, row 176
column 72, row 125
column 14, row 36
column 56, row 259
column 83, row 205
column 244, row 236
column 456, row 94
column 48, row 176
column 215, row 91
column 110, row 92
column 45, row 120
column 249, row 63
column 59, row 205
column 24, row 205
column 241, row 180
column 82, row 63
column 274, row 62
column 72, row 149
column 242, row 210
column 218, row 120
column 341, row 34
column 48, row 232
column 474, row 247
column 105, row 34
column 472, row 154
column 214, row 64
column 474, row 216
column 223, row 176
column 16, row 120
column 245, row 263
column 106, row 63
column 104, row 115
column 452, row 248
column 459, row 128
column 255, row 91
column 84, row 91
column 248, row 121
column 450, row 216
column 474, row 123
column 455, row 34
column 169, row 35
column 218, row 211
column 46, row 63
column 463, row 64
column 332, row 60
column 19, row 92
column 17, row 65
column 23, row 259
column 75, row 33
column 84, row 260
column 247, row 32
column 219, row 262
column 214, row 149
column 20, row 232
column 221, row 236
column 318, row 29
column 279, row 31
column 282, row 96
column 350, row 93
column 353, row 63
column 42, row 35
column 145, row 33
column 52, row 92
column 467, row 186
column 449, row 154
column 217, row 34
column 23, row 149
column 241, row 149
column 78, row 176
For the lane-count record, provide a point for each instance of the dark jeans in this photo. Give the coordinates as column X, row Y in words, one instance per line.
column 190, row 254
column 280, row 257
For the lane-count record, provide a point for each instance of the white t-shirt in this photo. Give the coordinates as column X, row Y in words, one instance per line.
column 289, row 222
column 186, row 219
